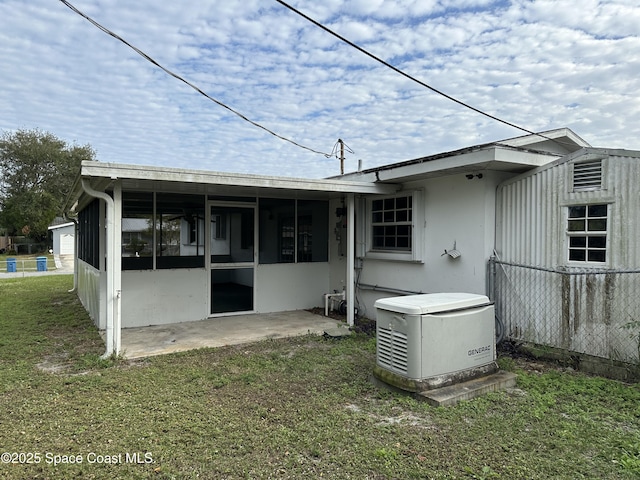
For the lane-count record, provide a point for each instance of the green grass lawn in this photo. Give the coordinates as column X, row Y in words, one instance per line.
column 288, row 408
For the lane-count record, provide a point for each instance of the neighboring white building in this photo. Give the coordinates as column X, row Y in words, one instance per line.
column 63, row 238
column 159, row 245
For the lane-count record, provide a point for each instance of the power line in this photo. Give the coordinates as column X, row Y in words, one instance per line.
column 404, row 74
column 178, row 77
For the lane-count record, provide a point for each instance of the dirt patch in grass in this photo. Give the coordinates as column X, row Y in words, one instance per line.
column 58, row 363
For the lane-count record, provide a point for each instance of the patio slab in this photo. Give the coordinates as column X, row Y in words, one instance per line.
column 217, row 332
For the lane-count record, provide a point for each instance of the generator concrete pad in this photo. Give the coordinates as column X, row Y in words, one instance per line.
column 337, row 332
column 445, row 396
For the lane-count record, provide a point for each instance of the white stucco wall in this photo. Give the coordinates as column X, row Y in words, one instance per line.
column 337, row 256
column 288, row 286
column 454, row 210
column 157, row 297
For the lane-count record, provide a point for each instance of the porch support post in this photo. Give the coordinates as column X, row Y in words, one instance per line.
column 117, row 266
column 351, row 296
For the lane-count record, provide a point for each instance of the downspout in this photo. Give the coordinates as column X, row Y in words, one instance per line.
column 117, row 265
column 351, row 277
column 111, row 347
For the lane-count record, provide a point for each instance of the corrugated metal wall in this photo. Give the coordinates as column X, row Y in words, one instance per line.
column 623, row 179
column 579, row 307
column 531, row 223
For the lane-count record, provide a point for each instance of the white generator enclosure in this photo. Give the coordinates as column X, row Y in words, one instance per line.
column 433, row 340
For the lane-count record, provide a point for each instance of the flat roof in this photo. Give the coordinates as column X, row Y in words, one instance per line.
column 515, row 155
column 141, row 175
column 143, row 178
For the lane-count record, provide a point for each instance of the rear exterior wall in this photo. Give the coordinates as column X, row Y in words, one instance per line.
column 453, row 211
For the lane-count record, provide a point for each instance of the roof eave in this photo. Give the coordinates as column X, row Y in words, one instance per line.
column 103, row 175
column 485, row 157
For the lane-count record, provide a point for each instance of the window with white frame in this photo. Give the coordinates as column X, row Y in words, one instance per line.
column 391, row 231
column 587, row 232
column 391, row 224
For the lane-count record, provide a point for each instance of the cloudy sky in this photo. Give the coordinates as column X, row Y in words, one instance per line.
column 539, row 64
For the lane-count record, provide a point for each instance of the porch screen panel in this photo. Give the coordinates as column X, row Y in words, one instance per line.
column 277, row 230
column 137, row 231
column 180, row 232
column 89, row 234
column 293, row 231
column 232, row 231
column 313, row 231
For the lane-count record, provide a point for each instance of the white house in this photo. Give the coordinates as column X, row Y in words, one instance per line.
column 187, row 245
column 159, row 245
column 63, row 236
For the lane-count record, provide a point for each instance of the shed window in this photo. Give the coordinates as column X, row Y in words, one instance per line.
column 587, row 232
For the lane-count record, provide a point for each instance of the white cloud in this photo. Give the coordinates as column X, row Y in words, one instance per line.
column 535, row 63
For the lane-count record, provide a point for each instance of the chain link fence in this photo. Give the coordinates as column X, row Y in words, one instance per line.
column 23, row 265
column 589, row 311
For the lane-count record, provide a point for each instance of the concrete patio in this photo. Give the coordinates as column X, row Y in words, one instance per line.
column 218, row 332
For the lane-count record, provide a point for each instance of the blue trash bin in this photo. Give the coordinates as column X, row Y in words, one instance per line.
column 41, row 263
column 11, row 265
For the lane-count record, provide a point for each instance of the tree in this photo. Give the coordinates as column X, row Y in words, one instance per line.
column 38, row 171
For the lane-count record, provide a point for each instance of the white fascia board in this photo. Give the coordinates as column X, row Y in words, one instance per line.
column 62, row 225
column 493, row 158
column 559, row 133
column 524, row 158
column 160, row 174
column 404, row 172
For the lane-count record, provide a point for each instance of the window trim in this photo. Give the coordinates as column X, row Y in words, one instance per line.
column 415, row 253
column 587, row 233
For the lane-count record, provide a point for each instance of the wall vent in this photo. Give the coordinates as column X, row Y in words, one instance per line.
column 587, row 175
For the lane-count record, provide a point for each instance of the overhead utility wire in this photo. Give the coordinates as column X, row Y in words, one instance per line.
column 397, row 70
column 178, row 77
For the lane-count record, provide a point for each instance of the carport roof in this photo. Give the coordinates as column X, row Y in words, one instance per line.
column 150, row 178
